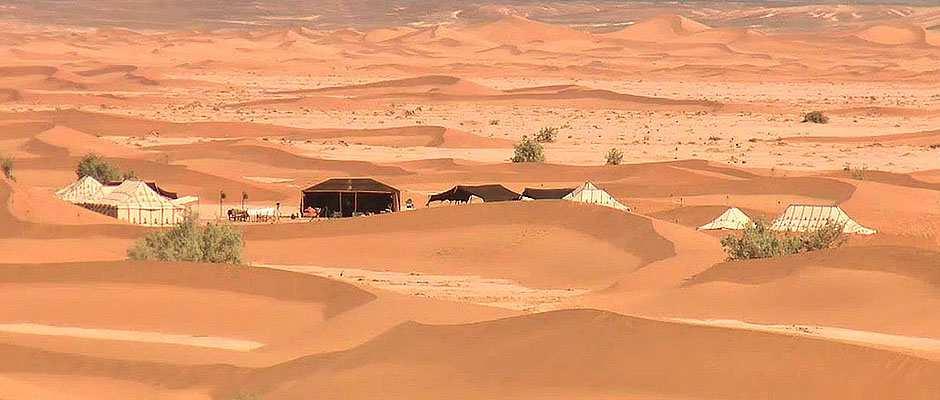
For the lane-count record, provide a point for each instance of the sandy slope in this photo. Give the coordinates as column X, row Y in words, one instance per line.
column 536, row 244
column 467, row 356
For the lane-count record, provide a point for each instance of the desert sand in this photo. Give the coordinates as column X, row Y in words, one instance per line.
column 537, row 300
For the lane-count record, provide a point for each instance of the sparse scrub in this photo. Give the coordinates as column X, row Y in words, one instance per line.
column 614, row 156
column 97, row 167
column 546, row 135
column 825, row 237
column 246, row 396
column 188, row 241
column 816, row 117
column 6, row 164
column 759, row 241
column 528, row 150
column 857, row 173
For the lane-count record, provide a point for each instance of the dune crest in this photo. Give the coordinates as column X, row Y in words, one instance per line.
column 659, row 28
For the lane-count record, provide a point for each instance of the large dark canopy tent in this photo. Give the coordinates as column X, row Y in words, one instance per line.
column 489, row 193
column 546, row 194
column 350, row 196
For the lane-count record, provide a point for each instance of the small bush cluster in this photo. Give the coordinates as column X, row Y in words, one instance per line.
column 246, row 396
column 188, row 241
column 97, row 167
column 528, row 150
column 816, row 117
column 6, row 164
column 759, row 241
column 857, row 173
column 546, row 135
column 614, row 156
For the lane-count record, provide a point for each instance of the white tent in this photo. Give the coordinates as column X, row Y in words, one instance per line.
column 801, row 218
column 85, row 190
column 732, row 218
column 588, row 193
column 135, row 202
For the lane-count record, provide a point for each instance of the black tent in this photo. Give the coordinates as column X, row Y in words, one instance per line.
column 350, row 196
column 489, row 193
column 546, row 194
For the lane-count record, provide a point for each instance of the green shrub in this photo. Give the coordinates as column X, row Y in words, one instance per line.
column 759, row 241
column 614, row 157
column 97, row 167
column 816, row 117
column 189, row 241
column 546, row 135
column 528, row 150
column 825, row 237
column 6, row 164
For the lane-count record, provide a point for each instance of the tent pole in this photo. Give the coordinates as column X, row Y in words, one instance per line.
column 340, row 194
column 355, row 202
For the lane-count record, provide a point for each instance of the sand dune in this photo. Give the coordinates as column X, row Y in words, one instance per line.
column 660, row 28
column 894, row 34
column 824, row 288
column 925, row 139
column 518, row 241
column 678, row 361
column 447, row 88
column 430, row 84
column 514, row 29
column 705, row 104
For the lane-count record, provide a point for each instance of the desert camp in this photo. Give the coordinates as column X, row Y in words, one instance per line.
column 470, row 200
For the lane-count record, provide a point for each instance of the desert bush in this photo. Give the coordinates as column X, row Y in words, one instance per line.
column 759, row 241
column 546, row 135
column 856, row 172
column 827, row 236
column 95, row 166
column 188, row 241
column 528, row 150
column 6, row 164
column 816, row 117
column 246, row 396
column 614, row 156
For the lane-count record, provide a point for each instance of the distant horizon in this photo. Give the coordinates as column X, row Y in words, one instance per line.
column 215, row 14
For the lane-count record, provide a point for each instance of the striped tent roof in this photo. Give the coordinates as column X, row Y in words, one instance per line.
column 802, row 218
column 84, row 190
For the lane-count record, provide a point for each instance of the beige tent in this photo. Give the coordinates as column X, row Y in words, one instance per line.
column 801, row 218
column 732, row 218
column 135, row 202
column 588, row 193
column 85, row 190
